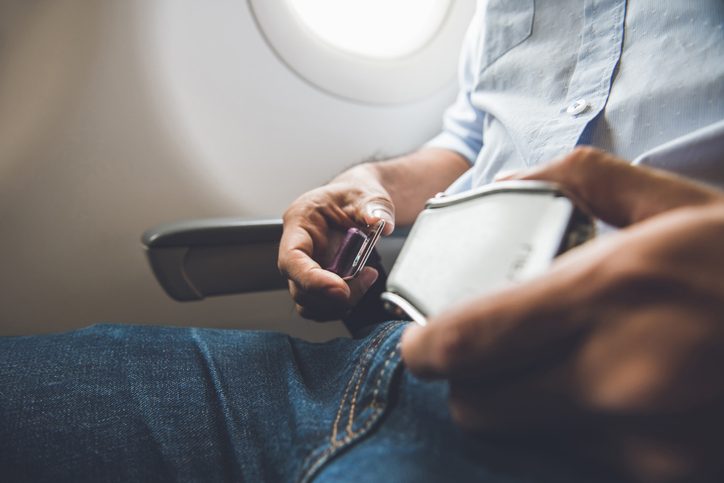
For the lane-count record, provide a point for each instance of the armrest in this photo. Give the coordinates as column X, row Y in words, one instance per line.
column 222, row 256
column 217, row 256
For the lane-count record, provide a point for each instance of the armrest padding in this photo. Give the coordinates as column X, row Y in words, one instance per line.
column 218, row 256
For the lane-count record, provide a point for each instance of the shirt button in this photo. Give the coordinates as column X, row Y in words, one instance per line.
column 577, row 107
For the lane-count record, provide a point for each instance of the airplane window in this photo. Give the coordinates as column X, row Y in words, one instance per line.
column 370, row 51
column 379, row 29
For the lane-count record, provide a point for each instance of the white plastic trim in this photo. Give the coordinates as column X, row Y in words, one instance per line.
column 357, row 78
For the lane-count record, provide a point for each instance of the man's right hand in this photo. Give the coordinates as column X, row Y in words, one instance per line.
column 394, row 190
column 313, row 227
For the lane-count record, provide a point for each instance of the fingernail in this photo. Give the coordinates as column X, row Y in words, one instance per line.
column 381, row 212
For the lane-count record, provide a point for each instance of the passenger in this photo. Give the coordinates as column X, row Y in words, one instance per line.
column 605, row 368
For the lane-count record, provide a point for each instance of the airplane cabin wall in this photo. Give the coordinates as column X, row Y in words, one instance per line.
column 116, row 116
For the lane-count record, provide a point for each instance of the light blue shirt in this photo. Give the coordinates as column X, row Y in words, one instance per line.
column 642, row 79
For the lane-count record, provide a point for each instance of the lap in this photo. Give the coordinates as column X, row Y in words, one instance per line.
column 116, row 402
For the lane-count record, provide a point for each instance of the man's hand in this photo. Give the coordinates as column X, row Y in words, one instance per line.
column 313, row 227
column 315, row 223
column 614, row 356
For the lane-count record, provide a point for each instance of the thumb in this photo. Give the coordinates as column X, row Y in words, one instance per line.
column 380, row 210
column 502, row 333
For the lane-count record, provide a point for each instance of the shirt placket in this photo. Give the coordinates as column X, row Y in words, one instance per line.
column 590, row 83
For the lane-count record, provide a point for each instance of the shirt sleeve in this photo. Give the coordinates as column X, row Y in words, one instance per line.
column 462, row 130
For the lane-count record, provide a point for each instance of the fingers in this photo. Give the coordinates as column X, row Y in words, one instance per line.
column 310, row 226
column 534, row 401
column 320, row 306
column 318, row 293
column 308, row 282
column 359, row 285
column 296, row 261
column 493, row 336
column 614, row 190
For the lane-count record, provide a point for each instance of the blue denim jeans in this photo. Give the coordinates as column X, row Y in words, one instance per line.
column 130, row 403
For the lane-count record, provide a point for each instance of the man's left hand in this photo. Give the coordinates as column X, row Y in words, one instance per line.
column 615, row 354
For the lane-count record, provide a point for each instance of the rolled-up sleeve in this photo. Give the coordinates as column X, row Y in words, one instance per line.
column 462, row 130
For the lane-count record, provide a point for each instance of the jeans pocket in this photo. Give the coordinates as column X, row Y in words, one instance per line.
column 507, row 23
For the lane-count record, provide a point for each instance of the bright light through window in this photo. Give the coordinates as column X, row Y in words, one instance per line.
column 381, row 29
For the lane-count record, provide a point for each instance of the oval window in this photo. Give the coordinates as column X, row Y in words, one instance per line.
column 378, row 29
column 373, row 51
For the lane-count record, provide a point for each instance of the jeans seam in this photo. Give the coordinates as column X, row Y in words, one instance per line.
column 312, row 463
column 353, row 405
column 358, row 373
column 373, row 403
column 379, row 378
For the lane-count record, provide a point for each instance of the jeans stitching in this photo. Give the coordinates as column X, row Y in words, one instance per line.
column 379, row 379
column 334, row 443
column 356, row 373
column 347, row 439
column 314, row 462
column 373, row 404
column 338, row 417
column 353, row 405
column 340, row 409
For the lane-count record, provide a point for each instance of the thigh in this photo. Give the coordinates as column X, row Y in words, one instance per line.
column 116, row 402
column 120, row 403
column 418, row 442
column 415, row 441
